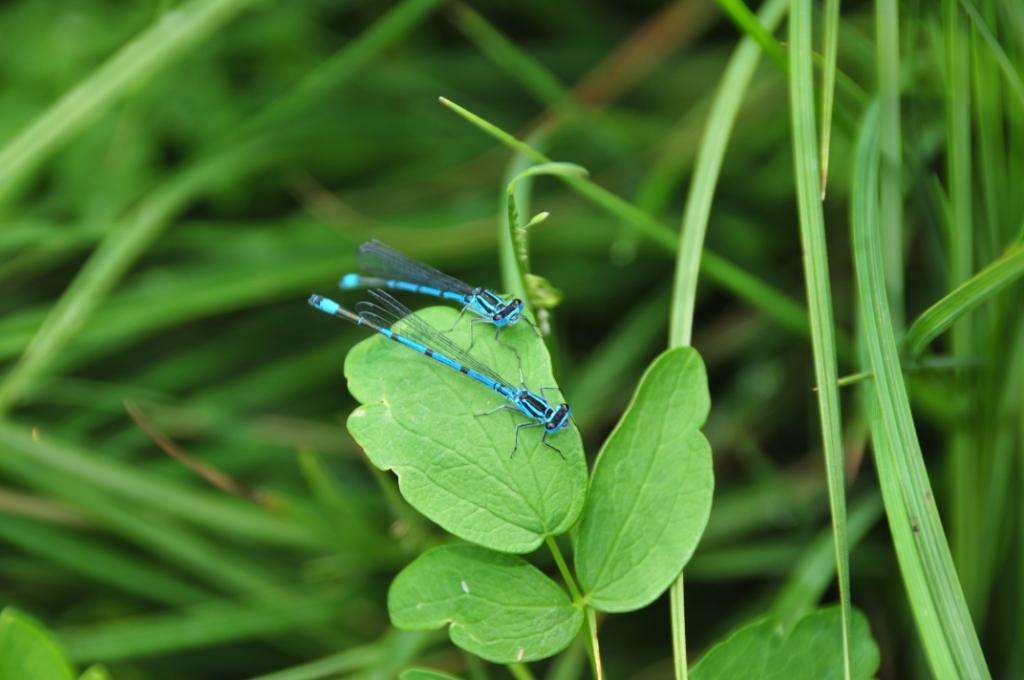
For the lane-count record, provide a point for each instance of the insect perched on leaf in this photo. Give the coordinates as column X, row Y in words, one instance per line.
column 388, row 268
column 418, row 335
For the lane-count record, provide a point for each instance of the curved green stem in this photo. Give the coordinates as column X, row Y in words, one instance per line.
column 564, row 569
column 520, row 671
column 593, row 649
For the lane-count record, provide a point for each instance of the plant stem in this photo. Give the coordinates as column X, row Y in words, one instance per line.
column 592, row 629
column 678, row 628
column 520, row 671
column 564, row 569
column 593, row 650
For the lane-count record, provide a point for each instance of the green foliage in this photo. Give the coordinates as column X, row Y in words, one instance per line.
column 27, row 650
column 419, row 419
column 811, row 650
column 650, row 493
column 176, row 176
column 498, row 606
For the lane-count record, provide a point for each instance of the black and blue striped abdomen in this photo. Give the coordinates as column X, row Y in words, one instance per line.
column 352, row 281
column 441, row 358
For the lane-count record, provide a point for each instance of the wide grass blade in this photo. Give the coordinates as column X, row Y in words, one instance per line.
column 170, row 37
column 227, row 514
column 122, row 245
column 203, row 625
column 98, row 562
column 936, row 597
column 118, row 250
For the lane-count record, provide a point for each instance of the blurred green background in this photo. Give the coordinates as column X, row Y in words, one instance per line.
column 177, row 177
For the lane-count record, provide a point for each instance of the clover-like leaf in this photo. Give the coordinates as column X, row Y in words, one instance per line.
column 650, row 495
column 500, row 607
column 418, row 418
column 27, row 650
column 812, row 650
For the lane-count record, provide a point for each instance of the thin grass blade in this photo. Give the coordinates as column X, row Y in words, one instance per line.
column 819, row 295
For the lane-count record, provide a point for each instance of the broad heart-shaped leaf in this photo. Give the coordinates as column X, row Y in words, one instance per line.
column 813, row 650
column 425, row 674
column 27, row 650
column 650, row 494
column 500, row 607
column 417, row 418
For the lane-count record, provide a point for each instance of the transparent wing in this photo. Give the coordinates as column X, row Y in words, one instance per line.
column 386, row 311
column 385, row 262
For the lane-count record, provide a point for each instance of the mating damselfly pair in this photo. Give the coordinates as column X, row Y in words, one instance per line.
column 385, row 267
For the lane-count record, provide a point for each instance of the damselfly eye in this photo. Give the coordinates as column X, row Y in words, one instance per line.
column 515, row 309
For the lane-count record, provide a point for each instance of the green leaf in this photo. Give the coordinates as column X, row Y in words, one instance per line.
column 425, row 674
column 418, row 418
column 813, row 650
column 27, row 650
column 500, row 607
column 96, row 672
column 650, row 495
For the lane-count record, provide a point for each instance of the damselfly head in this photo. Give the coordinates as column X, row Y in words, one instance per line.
column 510, row 313
column 559, row 419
